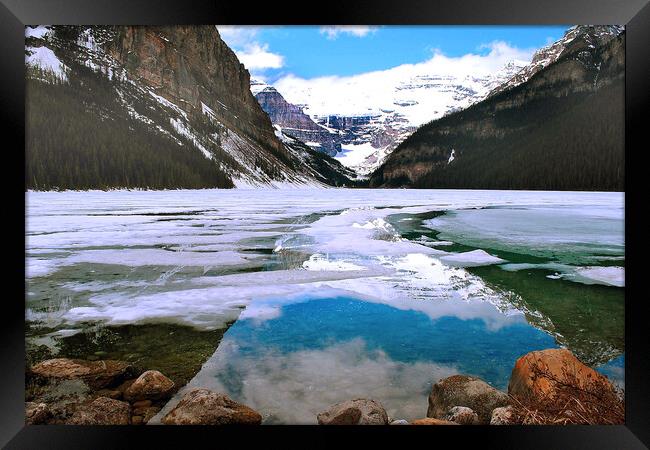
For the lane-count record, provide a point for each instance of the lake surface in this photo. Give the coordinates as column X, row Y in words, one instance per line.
column 291, row 301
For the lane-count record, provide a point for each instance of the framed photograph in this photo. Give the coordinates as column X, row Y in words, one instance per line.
column 415, row 216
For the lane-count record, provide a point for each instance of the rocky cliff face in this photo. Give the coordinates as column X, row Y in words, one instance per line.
column 180, row 82
column 560, row 129
column 295, row 122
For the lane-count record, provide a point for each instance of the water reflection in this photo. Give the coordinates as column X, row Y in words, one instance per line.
column 291, row 358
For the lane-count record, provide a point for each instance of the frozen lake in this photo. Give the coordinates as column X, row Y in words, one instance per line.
column 290, row 301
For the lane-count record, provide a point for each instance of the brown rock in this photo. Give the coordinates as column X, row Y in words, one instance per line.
column 110, row 393
column 502, row 416
column 462, row 415
column 124, row 386
column 36, row 413
column 137, row 420
column 97, row 374
column 354, row 412
column 102, row 411
column 536, row 374
column 463, row 390
column 204, row 407
column 432, row 421
column 141, row 404
column 151, row 385
column 149, row 413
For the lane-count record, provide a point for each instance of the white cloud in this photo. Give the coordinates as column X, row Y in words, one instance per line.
column 332, row 32
column 252, row 53
column 256, row 56
column 236, row 36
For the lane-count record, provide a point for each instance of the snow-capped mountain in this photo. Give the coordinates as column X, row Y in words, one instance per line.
column 561, row 129
column 180, row 91
column 575, row 39
column 370, row 114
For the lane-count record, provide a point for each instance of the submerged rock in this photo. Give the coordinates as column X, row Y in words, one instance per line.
column 463, row 390
column 97, row 374
column 354, row 412
column 502, row 416
column 204, row 407
column 102, row 411
column 537, row 375
column 151, row 385
column 36, row 413
column 432, row 421
column 462, row 415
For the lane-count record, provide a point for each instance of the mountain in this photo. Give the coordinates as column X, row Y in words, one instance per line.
column 294, row 121
column 151, row 107
column 368, row 115
column 577, row 38
column 561, row 129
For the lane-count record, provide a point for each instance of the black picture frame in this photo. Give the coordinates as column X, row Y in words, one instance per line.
column 15, row 14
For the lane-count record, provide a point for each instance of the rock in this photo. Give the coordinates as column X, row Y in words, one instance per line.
column 399, row 422
column 463, row 390
column 137, row 420
column 354, row 412
column 102, row 411
column 536, row 375
column 149, row 413
column 502, row 416
column 432, row 421
column 141, row 404
column 110, row 393
column 151, row 385
column 97, row 374
column 462, row 415
column 36, row 413
column 124, row 386
column 204, row 407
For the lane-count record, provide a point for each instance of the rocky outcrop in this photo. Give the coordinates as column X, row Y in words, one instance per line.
column 538, row 375
column 96, row 374
column 204, row 407
column 102, row 411
column 296, row 123
column 463, row 390
column 462, row 415
column 190, row 65
column 354, row 412
column 151, row 385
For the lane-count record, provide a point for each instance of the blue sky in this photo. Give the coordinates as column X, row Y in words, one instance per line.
column 308, row 52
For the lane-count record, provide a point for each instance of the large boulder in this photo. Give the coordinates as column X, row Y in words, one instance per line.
column 97, row 374
column 151, row 385
column 463, row 390
column 538, row 375
column 359, row 411
column 204, row 407
column 102, row 411
column 36, row 413
column 462, row 415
